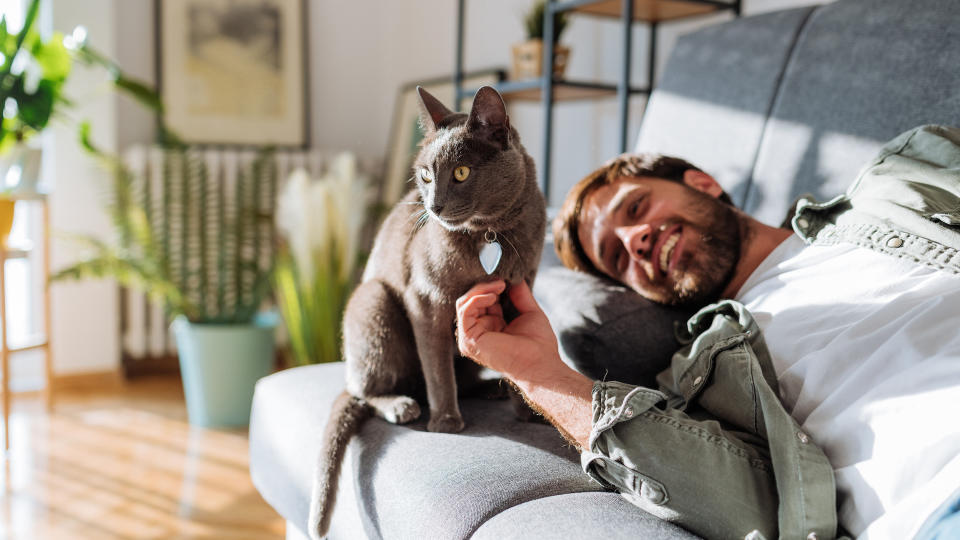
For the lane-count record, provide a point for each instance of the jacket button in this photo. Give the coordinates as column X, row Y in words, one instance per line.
column 803, row 438
column 697, row 381
column 895, row 242
column 812, row 536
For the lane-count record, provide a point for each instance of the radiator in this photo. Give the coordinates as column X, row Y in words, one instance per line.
column 221, row 181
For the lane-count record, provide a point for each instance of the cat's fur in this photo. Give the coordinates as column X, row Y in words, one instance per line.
column 399, row 324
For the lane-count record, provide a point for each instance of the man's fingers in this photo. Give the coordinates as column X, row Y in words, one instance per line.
column 474, row 306
column 472, row 331
column 495, row 287
column 477, row 308
column 477, row 315
column 522, row 298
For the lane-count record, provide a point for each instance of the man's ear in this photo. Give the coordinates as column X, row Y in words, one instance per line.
column 702, row 182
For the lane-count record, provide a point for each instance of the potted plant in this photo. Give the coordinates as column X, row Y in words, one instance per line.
column 33, row 72
column 320, row 221
column 32, row 75
column 528, row 56
column 225, row 341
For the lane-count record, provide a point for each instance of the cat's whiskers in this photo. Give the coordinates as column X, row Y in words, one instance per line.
column 416, row 212
column 421, row 221
column 511, row 245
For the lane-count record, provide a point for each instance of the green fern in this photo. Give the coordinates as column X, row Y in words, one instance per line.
column 166, row 256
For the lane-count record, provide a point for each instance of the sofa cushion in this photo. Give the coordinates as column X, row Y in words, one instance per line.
column 862, row 72
column 607, row 331
column 584, row 516
column 710, row 105
column 403, row 481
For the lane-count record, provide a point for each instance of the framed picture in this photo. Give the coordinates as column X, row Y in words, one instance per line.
column 405, row 134
column 233, row 71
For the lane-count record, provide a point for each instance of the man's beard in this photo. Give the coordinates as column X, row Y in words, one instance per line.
column 708, row 270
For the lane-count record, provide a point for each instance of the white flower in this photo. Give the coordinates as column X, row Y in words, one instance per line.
column 319, row 215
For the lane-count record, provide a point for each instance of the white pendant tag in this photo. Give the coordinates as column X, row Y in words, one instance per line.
column 490, row 256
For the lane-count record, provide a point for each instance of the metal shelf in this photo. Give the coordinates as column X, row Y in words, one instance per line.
column 563, row 90
column 548, row 90
column 648, row 11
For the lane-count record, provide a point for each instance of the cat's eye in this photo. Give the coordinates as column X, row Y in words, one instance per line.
column 461, row 173
column 425, row 176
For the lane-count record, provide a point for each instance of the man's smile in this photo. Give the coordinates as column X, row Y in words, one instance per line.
column 664, row 255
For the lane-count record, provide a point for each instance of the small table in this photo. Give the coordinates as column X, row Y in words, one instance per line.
column 43, row 343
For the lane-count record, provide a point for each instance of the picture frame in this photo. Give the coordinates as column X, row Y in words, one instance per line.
column 405, row 134
column 234, row 72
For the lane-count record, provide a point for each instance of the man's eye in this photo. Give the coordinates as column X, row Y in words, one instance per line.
column 634, row 209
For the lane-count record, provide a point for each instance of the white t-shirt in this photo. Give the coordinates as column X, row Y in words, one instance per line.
column 866, row 348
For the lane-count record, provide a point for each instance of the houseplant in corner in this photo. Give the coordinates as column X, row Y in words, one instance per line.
column 528, row 56
column 32, row 74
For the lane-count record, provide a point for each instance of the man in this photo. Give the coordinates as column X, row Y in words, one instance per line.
column 861, row 356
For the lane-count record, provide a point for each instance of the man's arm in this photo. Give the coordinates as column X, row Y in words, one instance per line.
column 525, row 352
column 713, row 480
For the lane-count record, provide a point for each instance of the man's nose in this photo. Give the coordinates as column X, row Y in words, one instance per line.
column 637, row 240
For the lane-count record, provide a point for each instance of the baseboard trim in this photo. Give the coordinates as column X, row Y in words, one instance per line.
column 93, row 380
column 149, row 365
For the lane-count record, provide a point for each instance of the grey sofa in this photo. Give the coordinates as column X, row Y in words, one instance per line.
column 775, row 106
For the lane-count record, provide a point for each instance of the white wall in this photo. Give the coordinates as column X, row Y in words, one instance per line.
column 360, row 53
column 84, row 314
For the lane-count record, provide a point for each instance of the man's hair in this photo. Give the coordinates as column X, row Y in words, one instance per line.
column 566, row 226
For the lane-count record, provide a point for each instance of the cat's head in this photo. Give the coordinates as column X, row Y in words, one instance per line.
column 471, row 170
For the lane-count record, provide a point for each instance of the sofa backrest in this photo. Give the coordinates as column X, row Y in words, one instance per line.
column 793, row 102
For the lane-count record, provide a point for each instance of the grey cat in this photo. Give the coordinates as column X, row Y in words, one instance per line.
column 476, row 198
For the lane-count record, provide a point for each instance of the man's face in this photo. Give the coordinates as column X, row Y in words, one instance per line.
column 671, row 243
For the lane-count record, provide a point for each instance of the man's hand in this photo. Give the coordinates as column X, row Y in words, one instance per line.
column 525, row 352
column 514, row 348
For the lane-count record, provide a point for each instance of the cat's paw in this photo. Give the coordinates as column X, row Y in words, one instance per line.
column 445, row 423
column 396, row 409
column 405, row 410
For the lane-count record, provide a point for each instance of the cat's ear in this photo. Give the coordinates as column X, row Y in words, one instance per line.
column 432, row 112
column 489, row 115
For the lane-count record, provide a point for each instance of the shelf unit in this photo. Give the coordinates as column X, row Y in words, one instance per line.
column 36, row 341
column 550, row 90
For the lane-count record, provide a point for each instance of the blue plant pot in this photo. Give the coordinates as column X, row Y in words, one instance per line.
column 219, row 365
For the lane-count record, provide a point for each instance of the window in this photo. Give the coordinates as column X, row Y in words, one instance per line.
column 24, row 265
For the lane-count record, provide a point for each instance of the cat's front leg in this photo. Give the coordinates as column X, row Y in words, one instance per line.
column 432, row 329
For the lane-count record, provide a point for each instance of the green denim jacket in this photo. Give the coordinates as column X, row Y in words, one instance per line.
column 696, row 452
column 905, row 203
column 713, row 449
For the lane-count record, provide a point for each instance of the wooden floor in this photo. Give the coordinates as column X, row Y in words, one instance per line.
column 125, row 465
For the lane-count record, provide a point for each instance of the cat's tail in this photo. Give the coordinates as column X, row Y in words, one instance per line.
column 346, row 416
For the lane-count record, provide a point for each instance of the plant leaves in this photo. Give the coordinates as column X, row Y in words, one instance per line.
column 53, row 58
